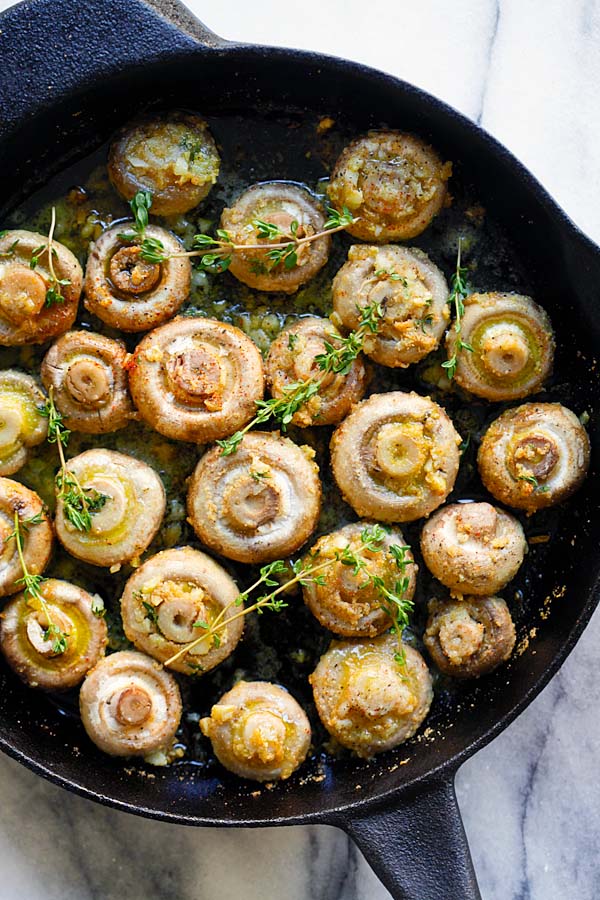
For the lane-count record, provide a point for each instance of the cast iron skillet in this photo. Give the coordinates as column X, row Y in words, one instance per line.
column 71, row 72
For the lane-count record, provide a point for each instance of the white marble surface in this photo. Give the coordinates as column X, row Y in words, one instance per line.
column 528, row 70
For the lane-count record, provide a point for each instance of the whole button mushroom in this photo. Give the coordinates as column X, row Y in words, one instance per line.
column 534, row 456
column 393, row 183
column 293, row 357
column 196, row 380
column 35, row 531
column 88, row 378
column 129, row 292
column 512, row 346
column 294, row 214
column 21, row 424
column 172, row 155
column 130, row 706
column 258, row 731
column 172, row 599
column 395, row 458
column 469, row 637
column 26, row 278
column 473, row 548
column 29, row 648
column 130, row 515
column 366, row 699
column 411, row 291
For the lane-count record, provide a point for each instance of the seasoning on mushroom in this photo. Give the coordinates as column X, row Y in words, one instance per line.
column 21, row 424
column 534, row 456
column 28, row 647
column 87, row 374
column 130, row 706
column 512, row 346
column 258, row 731
column 393, row 183
column 259, row 504
column 171, row 599
column 196, row 379
column 172, row 155
column 38, row 299
column 293, row 358
column 293, row 213
column 366, row 700
column 395, row 458
column 412, row 292
column 473, row 548
column 469, row 637
column 132, row 508
column 35, row 530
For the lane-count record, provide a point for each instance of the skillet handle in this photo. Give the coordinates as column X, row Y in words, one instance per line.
column 419, row 848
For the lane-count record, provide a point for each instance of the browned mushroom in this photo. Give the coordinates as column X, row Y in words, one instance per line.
column 196, row 379
column 395, row 458
column 35, row 530
column 258, row 731
column 22, row 425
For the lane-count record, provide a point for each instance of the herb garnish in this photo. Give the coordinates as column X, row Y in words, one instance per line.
column 537, row 487
column 458, row 293
column 54, row 294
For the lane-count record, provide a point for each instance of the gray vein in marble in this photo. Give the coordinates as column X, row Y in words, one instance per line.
column 491, row 43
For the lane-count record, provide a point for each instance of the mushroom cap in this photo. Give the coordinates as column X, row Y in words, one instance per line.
column 395, row 458
column 260, row 503
column 196, row 379
column 129, row 704
column 87, row 374
column 394, row 183
column 473, row 548
column 258, row 731
column 24, row 316
column 36, row 539
column 172, row 155
column 292, row 358
column 513, row 346
column 366, row 700
column 130, row 517
column 171, row 592
column 280, row 203
column 411, row 291
column 534, row 456
column 30, row 654
column 21, row 424
column 469, row 637
column 346, row 603
column 129, row 293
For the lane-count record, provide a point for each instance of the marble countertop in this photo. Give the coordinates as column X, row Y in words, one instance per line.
column 528, row 71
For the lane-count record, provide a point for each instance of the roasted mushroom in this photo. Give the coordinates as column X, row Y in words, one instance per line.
column 512, row 346
column 29, row 644
column 130, row 706
column 395, row 458
column 473, row 548
column 258, row 504
column 196, row 379
column 293, row 357
column 393, row 183
column 130, row 501
column 534, row 455
column 30, row 309
column 171, row 599
column 129, row 292
column 35, row 531
column 171, row 155
column 293, row 213
column 258, row 731
column 411, row 292
column 346, row 601
column 22, row 425
column 469, row 637
column 367, row 700
column 88, row 378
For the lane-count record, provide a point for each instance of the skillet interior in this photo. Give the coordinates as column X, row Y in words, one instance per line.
column 544, row 256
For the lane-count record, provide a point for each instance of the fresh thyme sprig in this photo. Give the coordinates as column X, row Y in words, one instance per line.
column 537, row 487
column 54, row 293
column 458, row 293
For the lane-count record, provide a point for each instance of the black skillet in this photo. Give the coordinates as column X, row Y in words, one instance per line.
column 71, row 72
